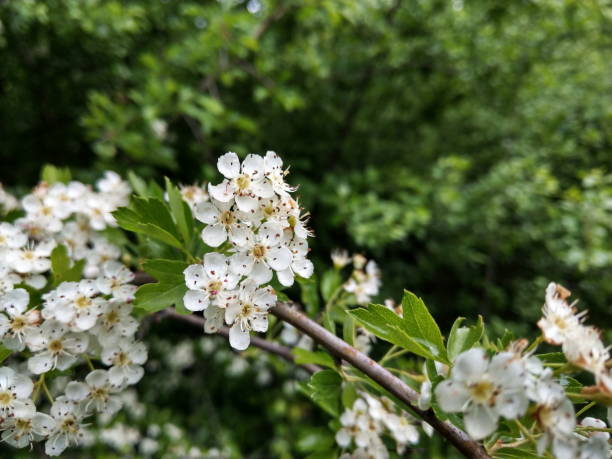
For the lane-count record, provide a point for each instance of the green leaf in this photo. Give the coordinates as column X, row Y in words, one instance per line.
column 151, row 218
column 168, row 291
column 348, row 329
column 52, row 174
column 349, row 395
column 180, row 211
column 461, row 339
column 552, row 357
column 302, row 356
column 388, row 326
column 315, row 439
column 4, row 353
column 420, row 324
column 325, row 387
column 138, row 184
column 330, row 282
column 62, row 267
column 522, row 452
column 309, row 294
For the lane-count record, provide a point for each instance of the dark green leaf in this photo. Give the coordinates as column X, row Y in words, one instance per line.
column 325, row 387
column 420, row 324
column 330, row 282
column 461, row 339
column 303, row 356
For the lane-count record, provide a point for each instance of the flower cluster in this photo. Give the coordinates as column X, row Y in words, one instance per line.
column 367, row 420
column 581, row 344
column 259, row 230
column 364, row 282
column 514, row 383
column 70, row 325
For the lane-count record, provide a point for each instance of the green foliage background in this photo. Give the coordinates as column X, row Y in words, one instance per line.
column 465, row 145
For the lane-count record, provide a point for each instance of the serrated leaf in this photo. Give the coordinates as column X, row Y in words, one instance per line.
column 326, row 386
column 138, row 184
column 303, row 356
column 387, row 325
column 420, row 324
column 168, row 291
column 552, row 357
column 461, row 339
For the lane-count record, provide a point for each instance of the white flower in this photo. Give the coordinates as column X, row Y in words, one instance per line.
column 15, row 389
column 194, row 195
column 55, row 347
column 114, row 323
column 38, row 209
column 126, row 357
column 115, row 280
column 68, row 428
column 96, row 392
column 19, row 324
column 484, row 390
column 112, row 187
column 222, row 221
column 26, row 425
column 340, row 258
column 33, row 258
column 584, row 348
column 74, row 303
column 249, row 311
column 244, row 183
column 209, row 283
column 262, row 252
column 558, row 317
column 364, row 284
column 300, row 265
column 11, row 236
column 273, row 170
column 214, row 319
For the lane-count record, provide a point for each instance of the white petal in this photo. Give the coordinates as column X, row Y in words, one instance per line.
column 196, row 300
column 253, row 165
column 303, row 267
column 195, row 276
column 40, row 363
column 452, row 396
column 223, row 192
column 285, row 277
column 480, row 421
column 207, row 213
column 262, row 188
column 229, row 165
column 238, row 338
column 214, row 319
column 260, row 273
column 246, row 203
column 97, row 378
column 15, row 301
column 56, row 444
column 241, row 264
column 214, row 235
column 240, row 235
column 215, row 265
column 469, row 364
column 260, row 323
column 42, row 424
column 77, row 391
column 278, row 258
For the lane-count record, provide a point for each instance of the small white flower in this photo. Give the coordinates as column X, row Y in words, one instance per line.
column 222, row 222
column 26, row 425
column 96, row 393
column 114, row 323
column 19, row 323
column 484, row 390
column 249, row 311
column 558, row 317
column 194, row 195
column 55, row 347
column 33, row 258
column 245, row 183
column 68, row 428
column 126, row 357
column 115, row 280
column 273, row 170
column 15, row 389
column 11, row 236
column 74, row 303
column 340, row 258
column 300, row 265
column 209, row 283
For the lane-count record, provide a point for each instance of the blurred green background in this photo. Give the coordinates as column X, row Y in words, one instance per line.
column 465, row 145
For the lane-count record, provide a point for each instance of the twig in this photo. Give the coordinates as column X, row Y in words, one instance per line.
column 382, row 376
column 268, row 346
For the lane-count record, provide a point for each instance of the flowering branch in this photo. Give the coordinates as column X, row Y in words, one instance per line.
column 380, row 375
column 268, row 346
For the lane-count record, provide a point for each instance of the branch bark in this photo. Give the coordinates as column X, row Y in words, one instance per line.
column 379, row 374
column 268, row 346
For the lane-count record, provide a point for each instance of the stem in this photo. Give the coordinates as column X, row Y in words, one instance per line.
column 585, row 408
column 89, row 363
column 535, row 344
column 269, row 346
column 46, row 389
column 380, row 375
column 394, row 355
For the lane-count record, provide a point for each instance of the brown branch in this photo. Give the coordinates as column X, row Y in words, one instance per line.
column 268, row 346
column 339, row 348
column 377, row 373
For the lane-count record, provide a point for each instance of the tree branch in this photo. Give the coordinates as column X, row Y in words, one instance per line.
column 377, row 373
column 268, row 346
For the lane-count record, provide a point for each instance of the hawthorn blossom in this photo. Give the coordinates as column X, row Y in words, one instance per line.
column 125, row 357
column 54, row 347
column 273, row 170
column 33, row 258
column 194, row 195
column 97, row 393
column 244, row 182
column 340, row 258
column 364, row 284
column 115, row 281
column 68, row 429
column 114, row 323
column 222, row 222
column 484, row 390
column 19, row 323
column 11, row 236
column 26, row 425
column 75, row 304
column 209, row 283
column 300, row 265
column 262, row 252
column 15, row 389
column 248, row 311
